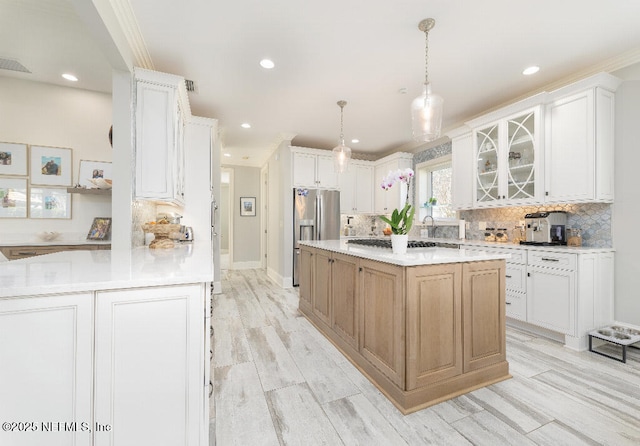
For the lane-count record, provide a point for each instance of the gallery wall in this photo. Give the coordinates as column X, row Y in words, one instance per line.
column 48, row 115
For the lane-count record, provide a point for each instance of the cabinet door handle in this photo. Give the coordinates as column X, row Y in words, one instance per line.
column 508, row 277
column 546, row 259
column 27, row 253
column 508, row 303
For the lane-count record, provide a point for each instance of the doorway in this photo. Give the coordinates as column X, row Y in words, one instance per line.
column 226, row 213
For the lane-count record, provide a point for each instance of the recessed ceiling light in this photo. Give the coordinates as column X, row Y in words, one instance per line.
column 245, row 157
column 228, row 155
column 355, row 141
column 531, row 70
column 267, row 63
column 245, row 125
column 70, row 77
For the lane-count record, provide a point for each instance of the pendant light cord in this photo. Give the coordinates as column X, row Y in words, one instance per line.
column 342, row 104
column 426, row 57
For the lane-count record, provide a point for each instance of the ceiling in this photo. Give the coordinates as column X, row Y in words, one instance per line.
column 332, row 50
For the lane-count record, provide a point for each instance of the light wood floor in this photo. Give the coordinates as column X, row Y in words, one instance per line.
column 278, row 381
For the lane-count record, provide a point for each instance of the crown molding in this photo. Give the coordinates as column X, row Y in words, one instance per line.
column 129, row 25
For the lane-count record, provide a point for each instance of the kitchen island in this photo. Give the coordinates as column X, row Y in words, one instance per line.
column 112, row 346
column 424, row 327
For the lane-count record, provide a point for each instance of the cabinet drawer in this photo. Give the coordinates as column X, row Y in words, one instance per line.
column 553, row 260
column 518, row 255
column 516, row 277
column 516, row 305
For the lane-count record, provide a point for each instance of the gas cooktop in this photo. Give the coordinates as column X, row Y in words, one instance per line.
column 386, row 243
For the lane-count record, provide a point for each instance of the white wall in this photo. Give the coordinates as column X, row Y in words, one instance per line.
column 280, row 224
column 49, row 115
column 626, row 209
column 246, row 230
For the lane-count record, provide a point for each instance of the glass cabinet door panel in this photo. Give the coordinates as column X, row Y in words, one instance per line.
column 521, row 157
column 487, row 164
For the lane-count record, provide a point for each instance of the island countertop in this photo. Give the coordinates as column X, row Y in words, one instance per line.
column 413, row 257
column 77, row 271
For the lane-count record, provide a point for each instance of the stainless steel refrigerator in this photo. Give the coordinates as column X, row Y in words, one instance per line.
column 316, row 216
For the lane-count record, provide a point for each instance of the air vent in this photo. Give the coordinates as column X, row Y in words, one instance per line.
column 12, row 65
column 191, row 85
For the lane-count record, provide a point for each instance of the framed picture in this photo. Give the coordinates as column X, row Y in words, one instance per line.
column 50, row 166
column 13, row 198
column 90, row 170
column 53, row 202
column 100, row 229
column 13, row 159
column 247, row 206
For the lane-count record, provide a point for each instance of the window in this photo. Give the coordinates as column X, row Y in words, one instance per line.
column 434, row 184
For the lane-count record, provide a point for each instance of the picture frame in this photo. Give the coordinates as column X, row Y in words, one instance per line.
column 13, row 158
column 90, row 170
column 100, row 229
column 247, row 206
column 13, row 198
column 49, row 202
column 51, row 166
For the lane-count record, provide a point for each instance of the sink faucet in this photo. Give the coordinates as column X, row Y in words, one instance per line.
column 432, row 230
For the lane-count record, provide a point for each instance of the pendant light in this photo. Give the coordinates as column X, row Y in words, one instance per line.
column 426, row 109
column 341, row 153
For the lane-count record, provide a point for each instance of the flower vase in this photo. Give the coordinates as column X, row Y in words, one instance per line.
column 399, row 243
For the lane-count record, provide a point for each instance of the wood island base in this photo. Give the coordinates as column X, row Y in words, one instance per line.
column 421, row 334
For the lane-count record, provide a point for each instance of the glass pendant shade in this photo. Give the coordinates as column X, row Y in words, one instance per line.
column 341, row 153
column 426, row 115
column 341, row 157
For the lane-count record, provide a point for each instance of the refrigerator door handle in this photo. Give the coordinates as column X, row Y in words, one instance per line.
column 319, row 216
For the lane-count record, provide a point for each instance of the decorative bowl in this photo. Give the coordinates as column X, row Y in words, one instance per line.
column 48, row 236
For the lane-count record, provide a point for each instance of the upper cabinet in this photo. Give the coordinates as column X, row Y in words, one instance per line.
column 313, row 168
column 160, row 105
column 462, row 166
column 385, row 201
column 579, row 150
column 555, row 147
column 356, row 192
column 507, row 162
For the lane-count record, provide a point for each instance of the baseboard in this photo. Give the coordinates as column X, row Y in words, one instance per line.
column 284, row 282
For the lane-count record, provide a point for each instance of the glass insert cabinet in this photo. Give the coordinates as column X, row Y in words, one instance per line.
column 507, row 160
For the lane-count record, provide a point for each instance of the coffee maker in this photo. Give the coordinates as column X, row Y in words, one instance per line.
column 546, row 228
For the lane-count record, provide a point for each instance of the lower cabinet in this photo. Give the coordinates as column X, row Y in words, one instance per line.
column 130, row 371
column 434, row 328
column 149, row 365
column 383, row 318
column 345, row 292
column 422, row 334
column 46, row 369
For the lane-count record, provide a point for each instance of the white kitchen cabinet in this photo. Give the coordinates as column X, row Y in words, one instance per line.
column 313, row 168
column 569, row 293
column 552, row 302
column 462, row 168
column 507, row 169
column 385, row 201
column 356, row 188
column 46, row 368
column 579, row 148
column 149, row 365
column 159, row 136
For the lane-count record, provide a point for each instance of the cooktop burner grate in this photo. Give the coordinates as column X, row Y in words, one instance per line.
column 386, row 243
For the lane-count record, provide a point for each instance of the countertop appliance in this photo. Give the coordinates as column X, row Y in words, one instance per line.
column 545, row 228
column 316, row 216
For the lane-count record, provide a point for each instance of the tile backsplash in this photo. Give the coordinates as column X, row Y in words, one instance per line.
column 594, row 219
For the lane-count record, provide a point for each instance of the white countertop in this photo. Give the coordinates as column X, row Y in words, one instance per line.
column 564, row 249
column 413, row 257
column 77, row 271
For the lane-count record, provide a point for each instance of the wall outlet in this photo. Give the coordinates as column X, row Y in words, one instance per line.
column 467, row 225
column 482, row 225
